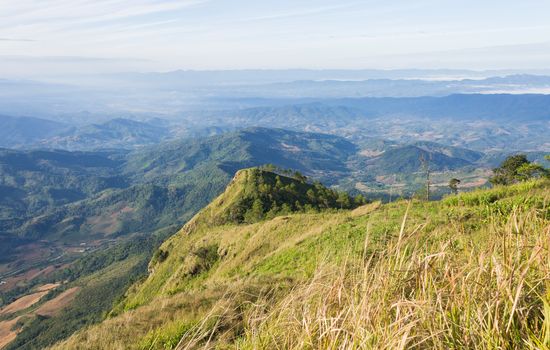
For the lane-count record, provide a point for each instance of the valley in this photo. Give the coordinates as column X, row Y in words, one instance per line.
column 110, row 194
column 91, row 206
column 74, row 261
column 290, row 175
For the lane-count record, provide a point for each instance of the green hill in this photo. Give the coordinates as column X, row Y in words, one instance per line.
column 22, row 131
column 470, row 271
column 31, row 182
column 408, row 160
column 60, row 194
column 450, row 151
column 115, row 133
column 312, row 153
column 111, row 223
column 252, row 196
column 158, row 189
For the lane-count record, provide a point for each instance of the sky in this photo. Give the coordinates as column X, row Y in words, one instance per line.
column 38, row 36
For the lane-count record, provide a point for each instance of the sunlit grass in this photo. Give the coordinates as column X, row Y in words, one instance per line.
column 415, row 296
column 469, row 272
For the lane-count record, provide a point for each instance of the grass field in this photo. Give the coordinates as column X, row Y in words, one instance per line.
column 470, row 271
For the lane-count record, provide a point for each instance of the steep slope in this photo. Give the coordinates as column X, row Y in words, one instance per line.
column 181, row 179
column 276, row 282
column 252, row 195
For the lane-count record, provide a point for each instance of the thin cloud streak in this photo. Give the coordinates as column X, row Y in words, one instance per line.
column 17, row 40
column 218, row 34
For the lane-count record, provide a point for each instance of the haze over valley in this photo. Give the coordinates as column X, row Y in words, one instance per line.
column 194, row 174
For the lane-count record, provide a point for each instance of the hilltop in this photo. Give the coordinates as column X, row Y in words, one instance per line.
column 253, row 195
column 73, row 216
column 68, row 216
column 407, row 274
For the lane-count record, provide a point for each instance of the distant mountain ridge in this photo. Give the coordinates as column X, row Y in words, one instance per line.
column 413, row 158
column 37, row 133
column 476, row 121
column 500, row 107
column 23, row 131
column 113, row 193
column 115, row 133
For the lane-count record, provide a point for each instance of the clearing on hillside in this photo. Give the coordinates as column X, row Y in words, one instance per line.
column 23, row 303
column 51, row 307
column 7, row 332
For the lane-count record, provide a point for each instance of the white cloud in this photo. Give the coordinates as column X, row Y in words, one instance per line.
column 200, row 34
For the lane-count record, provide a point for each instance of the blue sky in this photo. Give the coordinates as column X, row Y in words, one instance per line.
column 231, row 34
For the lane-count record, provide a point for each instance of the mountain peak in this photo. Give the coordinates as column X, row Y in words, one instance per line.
column 261, row 193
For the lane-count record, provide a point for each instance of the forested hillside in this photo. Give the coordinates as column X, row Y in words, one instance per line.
column 65, row 209
column 133, row 199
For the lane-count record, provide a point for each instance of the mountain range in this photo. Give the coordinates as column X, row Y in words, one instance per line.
column 94, row 219
column 226, row 283
column 485, row 123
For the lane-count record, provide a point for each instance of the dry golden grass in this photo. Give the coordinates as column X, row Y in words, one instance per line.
column 422, row 295
column 47, row 286
column 469, row 272
column 125, row 330
column 365, row 209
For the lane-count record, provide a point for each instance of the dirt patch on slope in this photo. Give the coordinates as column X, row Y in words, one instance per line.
column 7, row 334
column 47, row 286
column 23, row 303
column 51, row 307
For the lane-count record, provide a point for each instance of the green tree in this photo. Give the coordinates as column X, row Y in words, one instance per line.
column 300, row 177
column 453, row 185
column 291, row 189
column 273, row 211
column 343, row 200
column 507, row 172
column 285, row 209
column 360, row 200
column 311, row 197
column 278, row 182
column 530, row 171
column 269, row 167
column 255, row 213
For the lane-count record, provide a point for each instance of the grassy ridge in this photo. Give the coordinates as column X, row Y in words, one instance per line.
column 468, row 272
column 445, row 292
